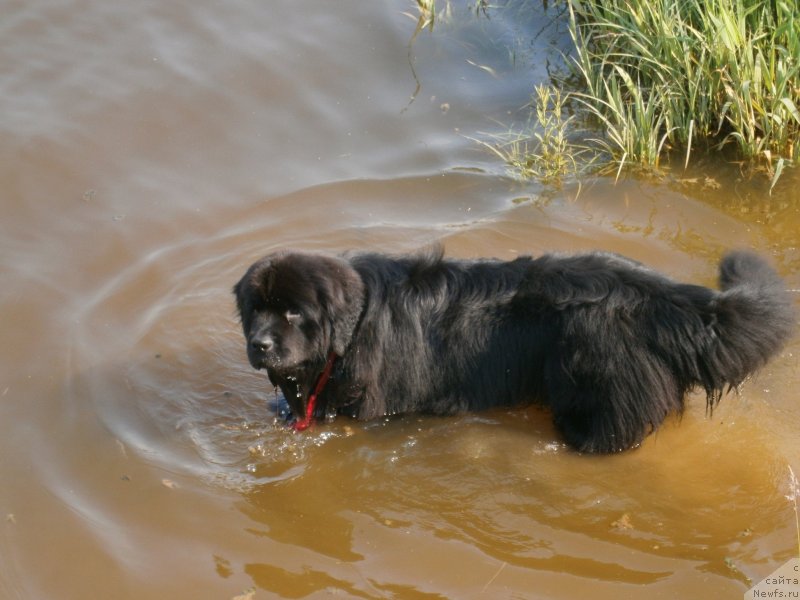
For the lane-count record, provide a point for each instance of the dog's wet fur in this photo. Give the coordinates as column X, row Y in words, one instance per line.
column 609, row 345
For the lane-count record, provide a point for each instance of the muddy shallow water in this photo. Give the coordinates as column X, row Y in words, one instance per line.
column 150, row 152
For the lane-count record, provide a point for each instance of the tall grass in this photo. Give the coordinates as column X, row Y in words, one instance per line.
column 658, row 78
column 541, row 150
column 663, row 76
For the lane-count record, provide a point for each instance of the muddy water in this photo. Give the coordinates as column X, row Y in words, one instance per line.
column 150, row 151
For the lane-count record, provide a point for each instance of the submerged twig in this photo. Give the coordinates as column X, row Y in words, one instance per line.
column 488, row 583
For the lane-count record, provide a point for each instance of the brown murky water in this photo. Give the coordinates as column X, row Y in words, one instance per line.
column 149, row 151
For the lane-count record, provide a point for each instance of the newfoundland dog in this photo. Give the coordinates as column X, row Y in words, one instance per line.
column 609, row 345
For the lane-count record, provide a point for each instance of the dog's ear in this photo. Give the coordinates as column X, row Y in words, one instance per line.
column 258, row 276
column 239, row 295
column 345, row 302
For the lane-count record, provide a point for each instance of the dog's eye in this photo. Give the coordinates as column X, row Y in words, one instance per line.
column 293, row 317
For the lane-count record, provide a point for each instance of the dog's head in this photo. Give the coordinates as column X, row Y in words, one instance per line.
column 297, row 308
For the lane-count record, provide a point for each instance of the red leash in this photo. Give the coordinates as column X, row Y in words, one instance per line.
column 302, row 424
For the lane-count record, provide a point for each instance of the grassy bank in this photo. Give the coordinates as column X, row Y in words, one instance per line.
column 675, row 76
column 653, row 79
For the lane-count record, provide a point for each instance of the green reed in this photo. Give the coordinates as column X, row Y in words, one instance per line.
column 662, row 76
column 657, row 78
column 540, row 150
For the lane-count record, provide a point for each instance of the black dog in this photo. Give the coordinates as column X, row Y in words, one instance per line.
column 609, row 345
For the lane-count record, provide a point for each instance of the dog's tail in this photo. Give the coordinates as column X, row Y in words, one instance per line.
column 754, row 318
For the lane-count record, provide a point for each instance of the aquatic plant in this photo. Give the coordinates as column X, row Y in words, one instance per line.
column 540, row 150
column 657, row 78
column 666, row 75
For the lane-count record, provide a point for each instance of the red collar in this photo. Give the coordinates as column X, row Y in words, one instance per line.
column 305, row 422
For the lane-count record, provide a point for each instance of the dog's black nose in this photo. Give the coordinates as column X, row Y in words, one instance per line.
column 262, row 345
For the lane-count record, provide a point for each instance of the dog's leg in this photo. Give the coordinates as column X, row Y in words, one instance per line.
column 611, row 412
column 588, row 426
